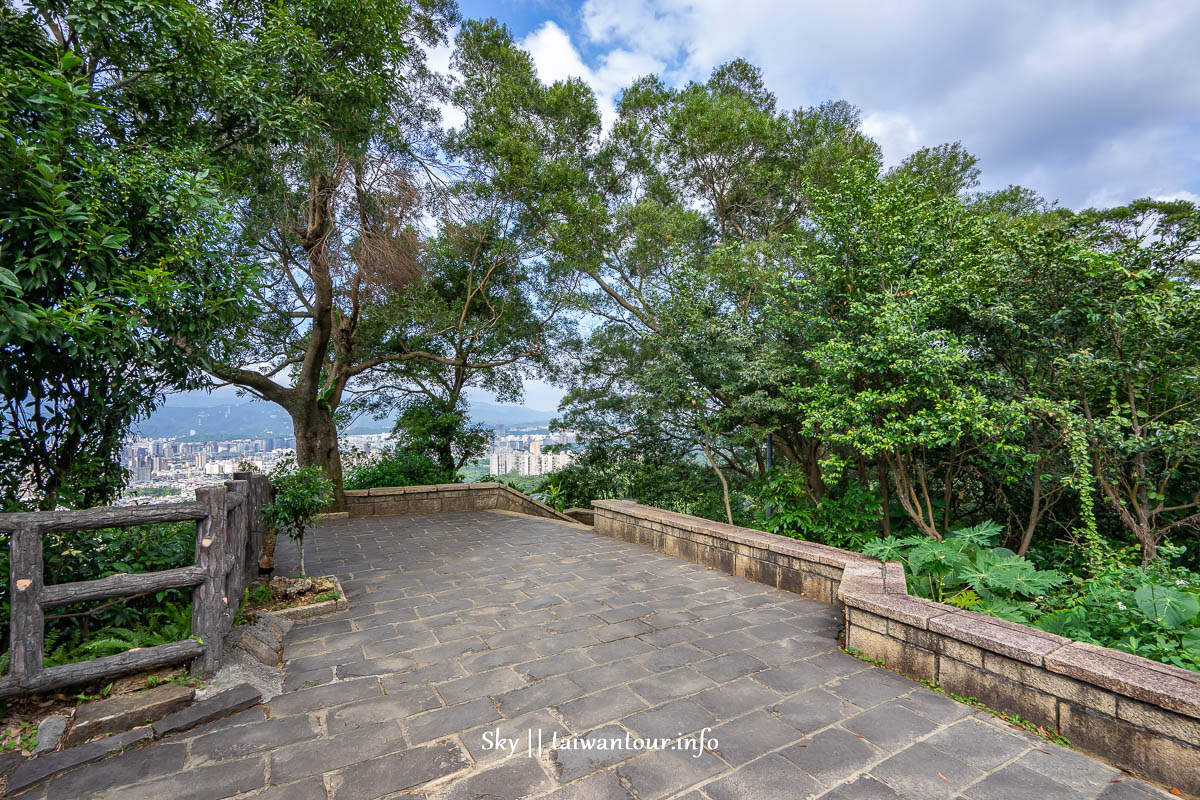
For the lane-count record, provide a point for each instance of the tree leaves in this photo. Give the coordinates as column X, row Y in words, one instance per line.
column 111, row 254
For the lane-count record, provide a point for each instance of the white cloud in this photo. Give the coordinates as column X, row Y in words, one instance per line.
column 895, row 133
column 1177, row 194
column 557, row 59
column 554, row 55
column 1085, row 102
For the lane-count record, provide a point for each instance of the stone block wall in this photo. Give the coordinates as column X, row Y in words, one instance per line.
column 445, row 497
column 1138, row 714
column 806, row 568
column 584, row 516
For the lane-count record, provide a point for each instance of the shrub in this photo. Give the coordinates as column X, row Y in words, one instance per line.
column 87, row 630
column 300, row 494
column 668, row 481
column 1151, row 610
column 398, row 466
column 967, row 570
column 848, row 519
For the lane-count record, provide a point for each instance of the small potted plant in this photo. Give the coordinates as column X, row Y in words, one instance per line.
column 301, row 493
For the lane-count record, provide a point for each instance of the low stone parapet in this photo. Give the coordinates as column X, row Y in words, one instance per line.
column 1138, row 714
column 445, row 497
column 806, row 568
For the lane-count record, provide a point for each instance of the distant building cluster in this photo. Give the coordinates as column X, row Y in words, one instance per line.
column 188, row 465
column 526, row 454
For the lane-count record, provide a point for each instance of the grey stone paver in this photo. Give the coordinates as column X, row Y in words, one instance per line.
column 468, row 627
column 978, row 743
column 771, row 776
column 925, row 771
column 603, row 706
column 890, row 726
column 667, row 772
column 833, row 755
column 670, row 721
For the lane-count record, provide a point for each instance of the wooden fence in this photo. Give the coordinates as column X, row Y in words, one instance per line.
column 229, row 538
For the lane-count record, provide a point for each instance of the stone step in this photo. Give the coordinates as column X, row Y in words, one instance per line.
column 223, row 704
column 36, row 770
column 118, row 714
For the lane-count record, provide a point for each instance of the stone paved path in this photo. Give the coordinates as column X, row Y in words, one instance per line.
column 463, row 625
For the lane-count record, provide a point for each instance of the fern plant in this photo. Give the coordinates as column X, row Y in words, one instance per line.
column 171, row 623
column 968, row 570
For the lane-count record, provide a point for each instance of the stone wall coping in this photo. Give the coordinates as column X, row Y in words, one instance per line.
column 1026, row 644
column 915, row 611
column 881, row 589
column 1124, row 673
column 545, row 509
column 384, row 491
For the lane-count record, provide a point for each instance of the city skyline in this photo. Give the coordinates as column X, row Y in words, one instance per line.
column 174, row 463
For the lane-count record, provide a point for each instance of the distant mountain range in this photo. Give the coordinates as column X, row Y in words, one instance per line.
column 189, row 419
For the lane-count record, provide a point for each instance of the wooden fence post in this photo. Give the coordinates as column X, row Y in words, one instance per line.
column 26, row 618
column 207, row 605
column 235, row 550
column 258, row 496
column 264, row 495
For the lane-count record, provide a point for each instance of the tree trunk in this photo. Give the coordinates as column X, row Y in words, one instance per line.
column 886, row 499
column 913, row 495
column 317, row 444
column 446, row 456
column 1035, row 511
column 1149, row 548
column 721, row 477
column 812, row 469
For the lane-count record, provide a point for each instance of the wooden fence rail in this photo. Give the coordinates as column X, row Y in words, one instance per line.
column 229, row 538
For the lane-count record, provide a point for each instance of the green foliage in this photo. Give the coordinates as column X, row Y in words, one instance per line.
column 667, row 480
column 172, row 622
column 525, row 484
column 554, row 496
column 968, row 570
column 109, row 257
column 958, row 356
column 396, row 466
column 1150, row 610
column 75, row 632
column 23, row 737
column 848, row 518
column 258, row 594
column 441, row 432
column 400, row 321
column 474, row 471
column 301, row 493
